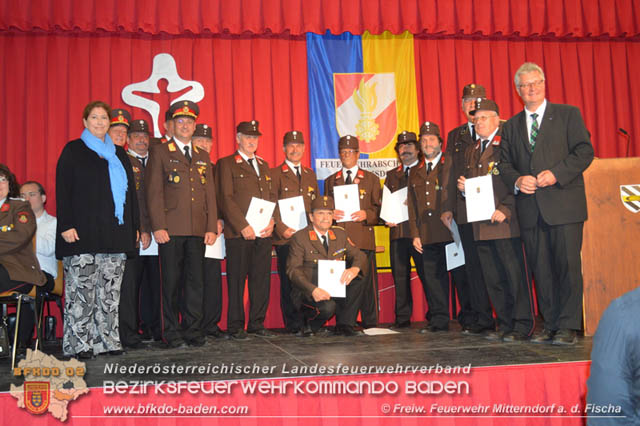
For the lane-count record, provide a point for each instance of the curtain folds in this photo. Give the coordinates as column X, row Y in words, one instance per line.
column 523, row 18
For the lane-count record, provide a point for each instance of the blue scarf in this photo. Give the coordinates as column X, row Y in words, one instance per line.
column 117, row 174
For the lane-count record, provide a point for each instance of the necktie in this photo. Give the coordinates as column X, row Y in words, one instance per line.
column 473, row 132
column 250, row 160
column 143, row 160
column 406, row 172
column 534, row 130
column 429, row 167
column 348, row 181
column 485, row 143
column 325, row 243
column 298, row 173
column 186, row 153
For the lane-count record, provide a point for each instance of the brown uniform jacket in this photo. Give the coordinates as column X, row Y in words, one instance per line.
column 305, row 249
column 17, row 255
column 396, row 180
column 138, row 176
column 458, row 140
column 479, row 163
column 181, row 197
column 286, row 185
column 361, row 233
column 237, row 184
column 424, row 199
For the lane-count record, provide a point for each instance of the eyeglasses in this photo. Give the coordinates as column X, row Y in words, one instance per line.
column 29, row 194
column 531, row 85
column 348, row 151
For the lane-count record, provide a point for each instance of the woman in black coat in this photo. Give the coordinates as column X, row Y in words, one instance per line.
column 97, row 226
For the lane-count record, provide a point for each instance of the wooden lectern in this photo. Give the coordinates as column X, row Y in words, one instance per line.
column 611, row 243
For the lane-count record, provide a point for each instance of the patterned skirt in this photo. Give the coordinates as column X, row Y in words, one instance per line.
column 92, row 295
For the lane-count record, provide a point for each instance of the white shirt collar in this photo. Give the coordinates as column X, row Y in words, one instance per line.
column 491, row 136
column 470, row 126
column 2, row 201
column 434, row 161
column 410, row 165
column 182, row 145
column 255, row 163
column 293, row 166
column 354, row 172
column 326, row 234
column 539, row 111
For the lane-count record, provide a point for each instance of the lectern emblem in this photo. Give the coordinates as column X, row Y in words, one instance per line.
column 630, row 196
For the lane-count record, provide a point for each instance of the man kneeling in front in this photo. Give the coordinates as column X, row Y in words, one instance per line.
column 321, row 241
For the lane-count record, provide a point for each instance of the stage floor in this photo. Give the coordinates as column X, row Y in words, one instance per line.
column 284, row 355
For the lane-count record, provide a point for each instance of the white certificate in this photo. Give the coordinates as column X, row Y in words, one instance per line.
column 152, row 250
column 394, row 206
column 329, row 273
column 292, row 212
column 478, row 193
column 455, row 255
column 216, row 250
column 259, row 214
column 346, row 198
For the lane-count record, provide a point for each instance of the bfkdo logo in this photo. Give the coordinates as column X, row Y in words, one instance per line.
column 36, row 397
column 366, row 107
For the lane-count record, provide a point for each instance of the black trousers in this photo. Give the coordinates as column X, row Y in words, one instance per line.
column 252, row 259
column 473, row 297
column 436, row 280
column 344, row 308
column 401, row 253
column 27, row 321
column 212, row 297
column 509, row 288
column 129, row 302
column 553, row 252
column 181, row 268
column 291, row 316
column 369, row 299
column 150, row 295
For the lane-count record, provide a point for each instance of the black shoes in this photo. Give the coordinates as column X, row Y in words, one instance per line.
column 348, row 331
column 494, row 336
column 239, row 335
column 402, row 324
column 432, row 328
column 218, row 334
column 176, row 344
column 477, row 329
column 263, row 332
column 515, row 337
column 84, row 355
column 565, row 337
column 545, row 337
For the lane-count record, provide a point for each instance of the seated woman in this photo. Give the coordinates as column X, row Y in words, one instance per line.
column 19, row 268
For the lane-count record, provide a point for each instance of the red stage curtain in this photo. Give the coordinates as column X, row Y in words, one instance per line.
column 46, row 80
column 558, row 18
column 594, row 75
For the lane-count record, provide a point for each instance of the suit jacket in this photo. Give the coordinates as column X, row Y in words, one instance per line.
column 138, row 176
column 17, row 228
column 237, row 184
column 181, row 196
column 480, row 163
column 361, row 233
column 458, row 140
column 305, row 249
column 286, row 185
column 424, row 199
column 563, row 146
column 396, row 180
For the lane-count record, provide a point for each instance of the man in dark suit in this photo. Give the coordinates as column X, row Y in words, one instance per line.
column 360, row 227
column 401, row 243
column 427, row 230
column 291, row 179
column 545, row 149
column 321, row 241
column 475, row 311
column 242, row 176
column 181, row 200
column 498, row 239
